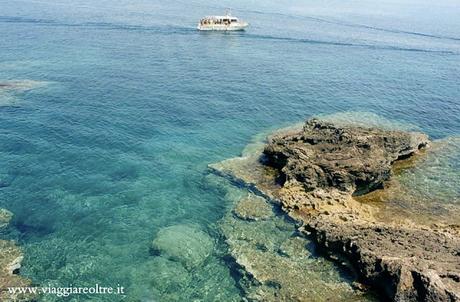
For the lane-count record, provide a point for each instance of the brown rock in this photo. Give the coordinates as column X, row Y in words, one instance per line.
column 323, row 155
column 10, row 262
column 322, row 166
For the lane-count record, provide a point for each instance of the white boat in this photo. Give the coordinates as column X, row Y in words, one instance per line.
column 226, row 23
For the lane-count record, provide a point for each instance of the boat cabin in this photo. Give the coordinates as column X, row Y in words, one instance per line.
column 218, row 20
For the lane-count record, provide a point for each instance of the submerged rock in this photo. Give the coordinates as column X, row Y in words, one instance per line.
column 171, row 281
column 295, row 247
column 21, row 85
column 275, row 264
column 10, row 89
column 170, row 278
column 184, row 243
column 5, row 180
column 5, row 218
column 253, row 208
column 271, row 261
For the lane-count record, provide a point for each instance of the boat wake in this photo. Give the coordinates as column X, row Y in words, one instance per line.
column 356, row 25
column 172, row 29
column 360, row 45
column 98, row 25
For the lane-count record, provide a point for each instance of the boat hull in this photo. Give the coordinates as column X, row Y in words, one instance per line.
column 221, row 27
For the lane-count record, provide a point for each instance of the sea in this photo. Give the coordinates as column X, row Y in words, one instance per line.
column 111, row 112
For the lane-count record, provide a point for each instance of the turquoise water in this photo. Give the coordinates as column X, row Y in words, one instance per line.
column 115, row 108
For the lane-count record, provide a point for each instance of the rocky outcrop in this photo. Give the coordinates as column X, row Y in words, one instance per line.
column 322, row 167
column 405, row 264
column 10, row 263
column 270, row 259
column 323, row 155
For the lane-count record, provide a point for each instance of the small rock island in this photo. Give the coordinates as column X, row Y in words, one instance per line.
column 318, row 176
column 322, row 167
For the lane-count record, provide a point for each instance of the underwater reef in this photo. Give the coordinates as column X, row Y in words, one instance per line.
column 11, row 89
column 324, row 176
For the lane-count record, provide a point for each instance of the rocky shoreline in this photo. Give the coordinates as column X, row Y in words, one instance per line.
column 10, row 263
column 317, row 175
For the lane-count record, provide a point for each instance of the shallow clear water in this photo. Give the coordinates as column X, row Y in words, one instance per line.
column 129, row 104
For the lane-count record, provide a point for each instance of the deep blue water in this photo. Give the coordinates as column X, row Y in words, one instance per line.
column 130, row 103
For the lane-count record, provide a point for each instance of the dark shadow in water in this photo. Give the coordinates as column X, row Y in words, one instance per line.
column 27, row 230
column 238, row 274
